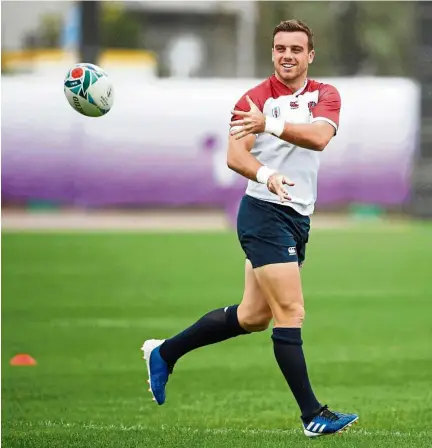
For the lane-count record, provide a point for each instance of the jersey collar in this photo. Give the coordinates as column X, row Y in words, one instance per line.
column 285, row 89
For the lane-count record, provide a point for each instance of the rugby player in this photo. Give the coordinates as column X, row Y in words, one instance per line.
column 277, row 133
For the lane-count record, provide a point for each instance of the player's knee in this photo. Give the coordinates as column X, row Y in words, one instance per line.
column 294, row 309
column 255, row 322
column 256, row 325
column 292, row 312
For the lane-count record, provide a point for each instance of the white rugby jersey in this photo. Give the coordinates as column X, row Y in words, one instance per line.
column 313, row 102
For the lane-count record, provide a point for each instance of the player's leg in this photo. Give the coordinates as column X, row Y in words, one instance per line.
column 274, row 238
column 271, row 235
column 267, row 239
column 281, row 284
column 218, row 325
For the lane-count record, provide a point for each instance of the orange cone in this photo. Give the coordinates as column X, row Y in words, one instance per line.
column 22, row 359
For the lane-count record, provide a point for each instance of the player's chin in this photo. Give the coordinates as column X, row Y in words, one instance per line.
column 288, row 75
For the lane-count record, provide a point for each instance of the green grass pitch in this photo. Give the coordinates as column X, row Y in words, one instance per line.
column 82, row 304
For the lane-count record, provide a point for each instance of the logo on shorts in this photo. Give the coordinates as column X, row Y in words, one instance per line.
column 276, row 112
column 292, row 251
column 294, row 104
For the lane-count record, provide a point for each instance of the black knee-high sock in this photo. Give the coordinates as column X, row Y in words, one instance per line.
column 216, row 326
column 289, row 355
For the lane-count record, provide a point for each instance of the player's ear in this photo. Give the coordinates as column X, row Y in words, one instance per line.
column 311, row 56
column 272, row 53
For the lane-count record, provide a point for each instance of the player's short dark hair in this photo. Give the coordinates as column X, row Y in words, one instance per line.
column 292, row 25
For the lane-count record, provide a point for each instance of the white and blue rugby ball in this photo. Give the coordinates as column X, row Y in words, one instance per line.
column 89, row 90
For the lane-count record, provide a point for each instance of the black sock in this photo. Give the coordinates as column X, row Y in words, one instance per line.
column 216, row 326
column 289, row 355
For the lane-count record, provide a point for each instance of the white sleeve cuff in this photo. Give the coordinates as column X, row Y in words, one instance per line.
column 327, row 120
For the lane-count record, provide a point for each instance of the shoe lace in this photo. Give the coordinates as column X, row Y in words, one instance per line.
column 326, row 413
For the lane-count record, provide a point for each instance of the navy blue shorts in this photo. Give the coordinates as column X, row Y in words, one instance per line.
column 271, row 233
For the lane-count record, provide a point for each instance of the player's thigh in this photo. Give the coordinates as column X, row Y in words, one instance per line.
column 281, row 285
column 254, row 313
column 271, row 236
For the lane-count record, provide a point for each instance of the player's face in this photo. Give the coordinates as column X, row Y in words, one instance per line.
column 291, row 56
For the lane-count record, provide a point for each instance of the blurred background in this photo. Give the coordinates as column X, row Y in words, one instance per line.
column 78, row 305
column 178, row 68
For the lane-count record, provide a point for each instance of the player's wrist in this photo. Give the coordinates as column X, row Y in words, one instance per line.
column 263, row 174
column 274, row 126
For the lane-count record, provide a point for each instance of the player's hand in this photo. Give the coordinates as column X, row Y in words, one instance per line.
column 253, row 122
column 276, row 184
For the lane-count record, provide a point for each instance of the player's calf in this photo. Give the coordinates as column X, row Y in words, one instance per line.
column 216, row 326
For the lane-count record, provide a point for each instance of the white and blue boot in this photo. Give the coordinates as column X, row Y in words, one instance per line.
column 328, row 422
column 158, row 370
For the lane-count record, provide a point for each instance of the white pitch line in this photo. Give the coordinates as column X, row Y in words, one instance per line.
column 219, row 431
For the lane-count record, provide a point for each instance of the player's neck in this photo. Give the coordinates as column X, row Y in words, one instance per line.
column 295, row 84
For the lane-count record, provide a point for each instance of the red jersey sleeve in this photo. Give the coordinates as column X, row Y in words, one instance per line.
column 328, row 107
column 243, row 105
column 257, row 94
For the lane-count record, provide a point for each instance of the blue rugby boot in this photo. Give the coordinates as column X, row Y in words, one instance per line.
column 328, row 422
column 158, row 369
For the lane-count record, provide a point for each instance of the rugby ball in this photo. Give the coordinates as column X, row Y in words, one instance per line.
column 89, row 90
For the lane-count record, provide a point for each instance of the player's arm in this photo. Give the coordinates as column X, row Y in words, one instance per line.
column 240, row 160
column 314, row 136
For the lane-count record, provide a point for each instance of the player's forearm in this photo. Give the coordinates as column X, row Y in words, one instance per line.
column 304, row 135
column 307, row 136
column 240, row 160
column 243, row 162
